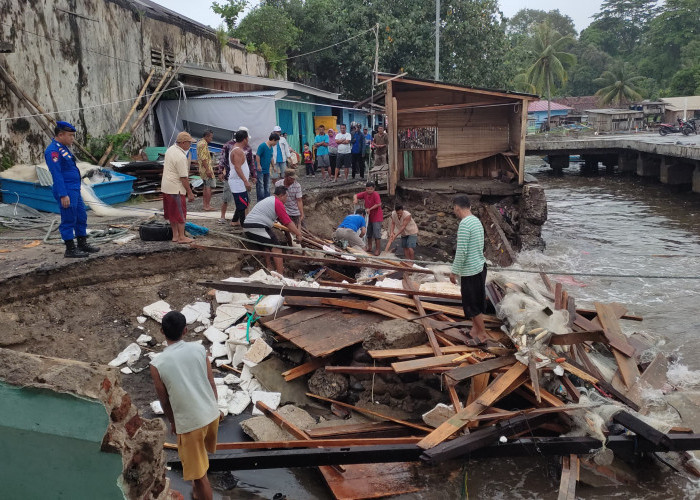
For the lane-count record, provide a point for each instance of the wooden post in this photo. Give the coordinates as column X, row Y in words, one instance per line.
column 151, row 100
column 391, row 183
column 128, row 117
column 523, row 134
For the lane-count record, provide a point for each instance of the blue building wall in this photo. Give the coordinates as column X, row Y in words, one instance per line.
column 541, row 116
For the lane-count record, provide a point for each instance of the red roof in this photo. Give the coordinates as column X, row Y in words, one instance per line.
column 542, row 106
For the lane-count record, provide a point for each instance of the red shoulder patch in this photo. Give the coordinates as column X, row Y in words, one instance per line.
column 54, row 156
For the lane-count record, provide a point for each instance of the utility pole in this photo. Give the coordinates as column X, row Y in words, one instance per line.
column 437, row 39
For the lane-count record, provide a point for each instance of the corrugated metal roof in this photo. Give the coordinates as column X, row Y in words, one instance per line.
column 233, row 95
column 542, row 106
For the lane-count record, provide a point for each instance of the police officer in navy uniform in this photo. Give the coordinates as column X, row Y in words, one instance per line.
column 66, row 190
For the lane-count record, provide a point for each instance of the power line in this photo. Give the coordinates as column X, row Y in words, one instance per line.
column 324, row 48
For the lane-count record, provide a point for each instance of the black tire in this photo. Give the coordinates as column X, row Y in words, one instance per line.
column 686, row 130
column 154, row 231
column 663, row 131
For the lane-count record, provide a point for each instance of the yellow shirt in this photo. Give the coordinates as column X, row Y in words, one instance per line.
column 203, row 154
column 175, row 166
column 410, row 229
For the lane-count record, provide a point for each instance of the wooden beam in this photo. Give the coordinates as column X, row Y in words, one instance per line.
column 457, row 88
column 398, row 299
column 432, row 340
column 591, row 313
column 465, row 372
column 365, row 411
column 490, row 210
column 569, row 476
column 423, row 363
column 366, row 430
column 353, row 370
column 418, row 351
column 301, row 370
column 422, row 294
column 628, row 366
column 515, row 376
column 643, row 430
column 282, row 422
column 578, row 337
column 310, row 258
column 446, row 107
column 523, row 134
column 308, row 443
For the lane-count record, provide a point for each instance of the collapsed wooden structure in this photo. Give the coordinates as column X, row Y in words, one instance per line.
column 440, row 130
column 508, row 410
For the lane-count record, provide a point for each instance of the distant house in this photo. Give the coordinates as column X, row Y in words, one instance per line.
column 537, row 110
column 579, row 104
column 681, row 107
column 615, row 120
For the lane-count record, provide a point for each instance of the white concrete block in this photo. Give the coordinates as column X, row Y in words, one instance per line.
column 218, row 350
column 157, row 408
column 257, row 352
column 239, row 402
column 231, row 379
column 141, row 319
column 227, row 315
column 126, row 370
column 143, row 339
column 271, row 399
column 157, row 310
column 129, row 355
column 215, row 335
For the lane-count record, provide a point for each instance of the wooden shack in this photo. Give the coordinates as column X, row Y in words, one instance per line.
column 615, row 120
column 440, row 130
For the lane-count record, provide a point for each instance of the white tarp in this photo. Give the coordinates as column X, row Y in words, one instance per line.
column 255, row 110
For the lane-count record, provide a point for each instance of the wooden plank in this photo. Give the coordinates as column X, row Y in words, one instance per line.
column 361, row 481
column 282, row 422
column 490, row 210
column 419, row 364
column 365, row 430
column 643, row 430
column 547, row 283
column 311, row 258
column 574, row 370
column 418, row 351
column 571, row 389
column 421, row 312
column 498, row 388
column 591, row 313
column 654, row 376
column 478, row 385
column 578, row 337
column 365, row 411
column 557, row 295
column 628, row 366
column 454, row 397
column 301, row 370
column 521, row 146
column 545, row 396
column 309, row 443
column 387, row 308
column 359, row 369
column 569, row 477
column 534, row 379
column 405, row 301
column 465, row 372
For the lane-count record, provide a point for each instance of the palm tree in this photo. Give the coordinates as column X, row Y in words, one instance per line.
column 551, row 61
column 618, row 86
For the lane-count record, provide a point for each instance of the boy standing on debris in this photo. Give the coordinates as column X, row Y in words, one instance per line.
column 470, row 266
column 373, row 205
column 185, row 385
column 66, row 191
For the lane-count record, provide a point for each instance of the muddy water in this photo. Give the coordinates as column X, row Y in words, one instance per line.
column 599, row 225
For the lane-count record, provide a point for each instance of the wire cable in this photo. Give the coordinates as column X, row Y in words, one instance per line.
column 325, row 48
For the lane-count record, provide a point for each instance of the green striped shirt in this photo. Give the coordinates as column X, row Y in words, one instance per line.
column 469, row 257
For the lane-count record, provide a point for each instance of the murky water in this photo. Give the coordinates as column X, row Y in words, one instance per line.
column 600, row 225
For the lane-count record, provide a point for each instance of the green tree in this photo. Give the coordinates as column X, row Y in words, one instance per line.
column 551, row 63
column 591, row 61
column 525, row 20
column 618, row 86
column 685, row 82
column 229, row 11
column 623, row 23
column 269, row 31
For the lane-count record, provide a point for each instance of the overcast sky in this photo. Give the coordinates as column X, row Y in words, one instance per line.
column 580, row 11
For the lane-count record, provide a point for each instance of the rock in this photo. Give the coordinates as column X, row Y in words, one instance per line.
column 398, row 391
column 394, row 334
column 328, row 385
column 435, row 417
column 264, row 429
column 533, row 204
column 529, row 229
column 532, row 242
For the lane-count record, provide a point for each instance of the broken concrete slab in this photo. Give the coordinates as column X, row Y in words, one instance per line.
column 240, row 334
column 129, row 355
column 227, row 315
column 263, row 429
column 271, row 399
column 269, row 374
column 239, row 402
column 239, row 353
column 143, row 339
column 438, row 415
column 214, row 335
column 257, row 353
column 219, row 350
column 196, row 312
column 157, row 310
column 394, row 334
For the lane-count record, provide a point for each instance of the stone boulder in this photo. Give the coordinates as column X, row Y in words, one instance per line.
column 533, row 204
column 329, row 385
column 394, row 334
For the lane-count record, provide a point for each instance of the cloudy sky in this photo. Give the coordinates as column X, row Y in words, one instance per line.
column 580, row 11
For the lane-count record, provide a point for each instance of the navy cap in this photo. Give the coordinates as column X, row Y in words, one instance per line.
column 65, row 126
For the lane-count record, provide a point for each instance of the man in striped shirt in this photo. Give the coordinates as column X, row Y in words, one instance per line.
column 470, row 266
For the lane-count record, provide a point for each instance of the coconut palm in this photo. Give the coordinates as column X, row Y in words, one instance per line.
column 551, row 63
column 618, row 86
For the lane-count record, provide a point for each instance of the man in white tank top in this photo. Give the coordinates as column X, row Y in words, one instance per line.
column 238, row 177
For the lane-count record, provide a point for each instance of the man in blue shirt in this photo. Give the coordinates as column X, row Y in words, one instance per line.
column 264, row 159
column 358, row 152
column 66, row 190
column 347, row 230
column 321, row 145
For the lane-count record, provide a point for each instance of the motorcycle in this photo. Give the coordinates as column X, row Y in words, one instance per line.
column 669, row 128
column 690, row 127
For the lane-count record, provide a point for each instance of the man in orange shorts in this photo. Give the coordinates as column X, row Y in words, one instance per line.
column 186, row 390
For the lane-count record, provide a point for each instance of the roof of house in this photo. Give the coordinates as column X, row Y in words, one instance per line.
column 681, row 103
column 535, row 106
column 200, row 72
column 580, row 103
column 383, row 77
column 277, row 94
column 614, row 111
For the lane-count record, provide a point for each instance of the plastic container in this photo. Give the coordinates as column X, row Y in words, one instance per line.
column 269, row 305
column 41, row 197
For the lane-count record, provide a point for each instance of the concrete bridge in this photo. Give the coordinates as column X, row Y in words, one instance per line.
column 674, row 159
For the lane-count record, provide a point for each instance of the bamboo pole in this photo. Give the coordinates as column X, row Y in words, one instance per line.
column 128, row 117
